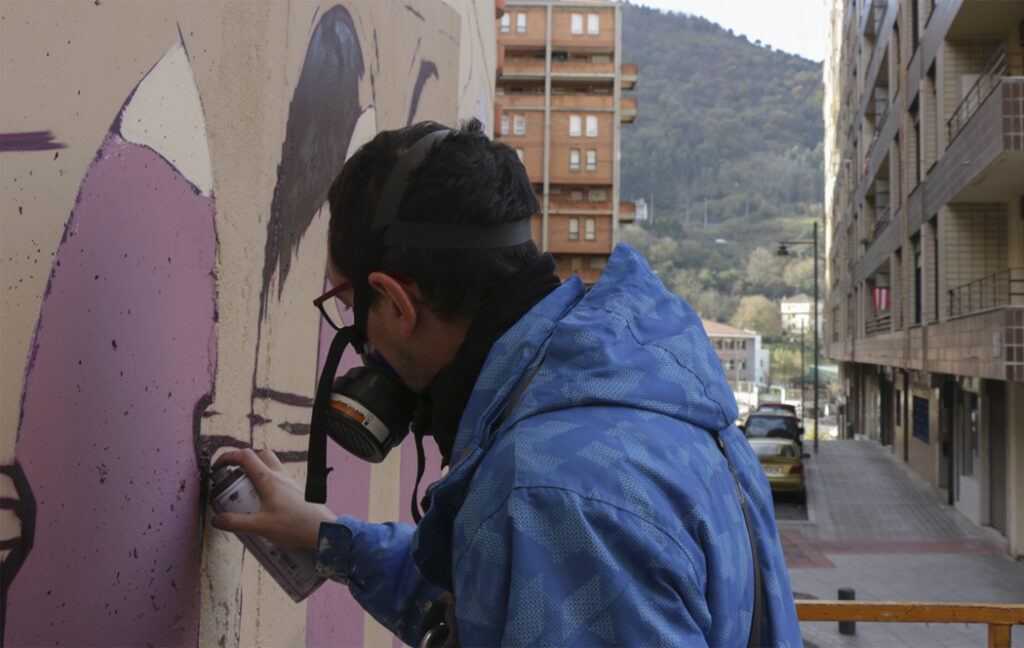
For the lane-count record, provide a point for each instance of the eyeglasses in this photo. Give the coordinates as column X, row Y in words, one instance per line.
column 342, row 307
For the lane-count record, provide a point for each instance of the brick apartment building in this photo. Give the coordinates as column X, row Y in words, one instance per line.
column 739, row 350
column 924, row 112
column 559, row 103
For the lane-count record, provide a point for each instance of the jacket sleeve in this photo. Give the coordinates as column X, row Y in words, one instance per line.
column 375, row 561
column 551, row 567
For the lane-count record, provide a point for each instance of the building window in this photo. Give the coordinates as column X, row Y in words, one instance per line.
column 598, row 263
column 504, row 121
column 590, row 231
column 591, row 125
column 577, row 24
column 597, row 195
column 574, row 229
column 576, row 196
column 921, row 418
column 575, row 126
column 591, row 160
column 574, row 160
column 743, row 365
column 519, row 124
column 506, row 23
column 743, row 344
column 522, row 155
column 593, row 24
column 728, row 365
column 520, row 23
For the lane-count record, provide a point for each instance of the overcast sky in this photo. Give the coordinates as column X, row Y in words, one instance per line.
column 795, row 26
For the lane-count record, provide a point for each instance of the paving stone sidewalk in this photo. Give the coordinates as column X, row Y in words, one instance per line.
column 875, row 526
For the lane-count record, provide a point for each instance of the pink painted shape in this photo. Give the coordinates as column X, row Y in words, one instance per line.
column 333, row 618
column 123, row 349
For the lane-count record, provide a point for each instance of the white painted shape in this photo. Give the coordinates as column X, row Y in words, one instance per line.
column 364, row 131
column 165, row 114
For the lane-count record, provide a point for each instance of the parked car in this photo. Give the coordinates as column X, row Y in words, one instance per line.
column 783, row 465
column 776, row 407
column 776, row 425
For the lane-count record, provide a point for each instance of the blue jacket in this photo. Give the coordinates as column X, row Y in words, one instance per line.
column 600, row 511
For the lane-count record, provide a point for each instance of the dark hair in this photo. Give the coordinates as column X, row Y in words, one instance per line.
column 464, row 178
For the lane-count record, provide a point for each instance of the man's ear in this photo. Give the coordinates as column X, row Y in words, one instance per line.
column 399, row 301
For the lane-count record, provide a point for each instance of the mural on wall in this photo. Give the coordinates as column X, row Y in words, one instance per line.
column 30, row 141
column 113, row 439
column 122, row 350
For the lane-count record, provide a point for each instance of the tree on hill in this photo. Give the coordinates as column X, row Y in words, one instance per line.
column 760, row 314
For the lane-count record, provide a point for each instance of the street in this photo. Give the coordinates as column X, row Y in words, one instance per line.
column 876, row 527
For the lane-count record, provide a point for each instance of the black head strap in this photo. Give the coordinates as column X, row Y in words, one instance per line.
column 439, row 236
column 316, row 476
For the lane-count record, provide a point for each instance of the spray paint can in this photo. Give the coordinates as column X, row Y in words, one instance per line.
column 231, row 491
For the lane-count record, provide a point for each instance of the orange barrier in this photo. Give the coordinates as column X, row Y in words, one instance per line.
column 999, row 617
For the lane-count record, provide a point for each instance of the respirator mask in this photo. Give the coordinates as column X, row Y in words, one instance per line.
column 368, row 411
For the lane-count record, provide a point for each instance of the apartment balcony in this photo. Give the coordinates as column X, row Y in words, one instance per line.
column 881, row 324
column 985, row 161
column 582, row 207
column 522, row 69
column 996, row 290
column 568, row 70
column 1002, row 64
column 581, row 102
column 627, row 108
column 526, row 100
column 988, row 344
column 627, row 212
column 628, row 76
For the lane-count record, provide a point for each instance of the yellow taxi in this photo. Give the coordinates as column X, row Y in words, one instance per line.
column 783, row 465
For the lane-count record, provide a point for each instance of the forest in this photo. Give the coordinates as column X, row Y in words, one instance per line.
column 727, row 152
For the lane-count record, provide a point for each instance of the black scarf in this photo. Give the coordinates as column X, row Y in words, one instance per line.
column 443, row 401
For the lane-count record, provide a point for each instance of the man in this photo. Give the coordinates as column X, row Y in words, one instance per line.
column 590, row 498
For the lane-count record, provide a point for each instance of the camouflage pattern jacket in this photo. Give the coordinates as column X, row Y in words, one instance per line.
column 600, row 511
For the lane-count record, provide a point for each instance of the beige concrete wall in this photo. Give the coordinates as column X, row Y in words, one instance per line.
column 163, row 170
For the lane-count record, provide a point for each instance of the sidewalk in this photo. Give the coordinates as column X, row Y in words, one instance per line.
column 875, row 526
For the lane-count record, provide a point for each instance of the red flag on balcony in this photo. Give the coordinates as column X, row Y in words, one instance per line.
column 881, row 299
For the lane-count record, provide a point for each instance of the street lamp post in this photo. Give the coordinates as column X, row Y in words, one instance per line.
column 784, row 252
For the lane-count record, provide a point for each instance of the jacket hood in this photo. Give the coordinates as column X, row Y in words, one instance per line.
column 630, row 342
column 627, row 342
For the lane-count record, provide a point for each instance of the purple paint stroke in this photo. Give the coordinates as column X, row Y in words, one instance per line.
column 116, row 561
column 30, row 141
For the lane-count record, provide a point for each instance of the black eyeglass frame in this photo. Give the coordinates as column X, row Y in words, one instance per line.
column 348, row 285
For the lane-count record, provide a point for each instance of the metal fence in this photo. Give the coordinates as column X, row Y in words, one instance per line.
column 993, row 291
column 1001, row 64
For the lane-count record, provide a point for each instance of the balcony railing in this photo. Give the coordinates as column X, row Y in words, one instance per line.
column 882, row 217
column 878, row 325
column 1001, row 64
column 994, row 291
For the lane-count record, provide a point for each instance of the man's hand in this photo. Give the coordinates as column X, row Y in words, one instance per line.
column 286, row 519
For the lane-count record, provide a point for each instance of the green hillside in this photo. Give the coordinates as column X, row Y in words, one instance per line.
column 730, row 131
